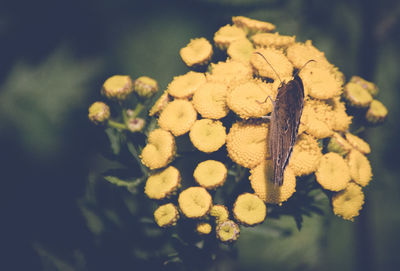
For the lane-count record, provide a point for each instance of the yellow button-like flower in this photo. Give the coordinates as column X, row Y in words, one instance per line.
column 300, row 53
column 118, row 87
column 247, row 99
column 333, row 173
column 305, row 156
column 247, row 143
column 210, row 100
column 197, row 53
column 203, row 228
column 227, row 231
column 227, row 34
column 160, row 149
column 229, row 72
column 348, row 203
column 356, row 95
column 220, row 212
column 360, row 168
column 160, row 104
column 195, row 202
column 184, row 86
column 249, row 210
column 178, row 117
column 369, row 86
column 377, row 112
column 358, row 143
column 166, row 215
column 210, row 174
column 207, row 135
column 162, row 184
column 272, row 40
column 339, row 145
column 252, row 26
column 319, row 82
column 99, row 113
column 241, row 50
column 145, row 86
column 262, row 183
column 276, row 58
column 318, row 118
column 341, row 121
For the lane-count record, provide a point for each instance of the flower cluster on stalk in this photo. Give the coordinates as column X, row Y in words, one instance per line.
column 209, row 135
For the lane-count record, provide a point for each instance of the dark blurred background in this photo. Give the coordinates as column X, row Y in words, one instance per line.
column 54, row 57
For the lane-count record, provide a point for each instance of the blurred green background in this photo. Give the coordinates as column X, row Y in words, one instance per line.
column 58, row 214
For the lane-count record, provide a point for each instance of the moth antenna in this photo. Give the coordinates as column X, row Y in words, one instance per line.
column 258, row 53
column 305, row 64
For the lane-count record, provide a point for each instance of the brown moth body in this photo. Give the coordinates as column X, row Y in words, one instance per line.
column 284, row 125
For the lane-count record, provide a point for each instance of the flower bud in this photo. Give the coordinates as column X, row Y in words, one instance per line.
column 376, row 113
column 135, row 124
column 99, row 113
column 145, row 86
column 369, row 86
column 117, row 87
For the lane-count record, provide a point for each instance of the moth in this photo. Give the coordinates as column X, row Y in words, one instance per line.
column 285, row 122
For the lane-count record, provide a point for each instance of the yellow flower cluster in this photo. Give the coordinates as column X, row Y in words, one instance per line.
column 221, row 112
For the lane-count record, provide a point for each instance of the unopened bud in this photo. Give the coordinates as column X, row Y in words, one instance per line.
column 145, row 86
column 369, row 86
column 377, row 112
column 135, row 124
column 118, row 87
column 99, row 112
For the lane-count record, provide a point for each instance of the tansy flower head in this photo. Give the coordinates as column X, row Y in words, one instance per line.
column 241, row 50
column 166, row 215
column 178, row 117
column 341, row 121
column 252, row 26
column 227, row 34
column 229, row 72
column 333, row 173
column 277, row 60
column 247, row 143
column 99, row 113
column 207, row 135
column 210, row 100
column 197, row 53
column 220, row 212
column 160, row 104
column 318, row 118
column 160, row 149
column 195, row 202
column 249, row 210
column 360, row 168
column 118, row 87
column 184, row 86
column 145, row 86
column 300, row 53
column 348, row 203
column 247, row 99
column 210, row 174
column 203, row 228
column 162, row 184
column 272, row 40
column 356, row 95
column 377, row 112
column 305, row 156
column 227, row 231
column 338, row 144
column 358, row 143
column 369, row 86
column 319, row 82
column 262, row 183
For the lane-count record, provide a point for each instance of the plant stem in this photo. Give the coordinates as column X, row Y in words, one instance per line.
column 116, row 125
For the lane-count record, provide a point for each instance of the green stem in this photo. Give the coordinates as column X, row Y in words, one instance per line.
column 116, row 125
column 138, row 109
